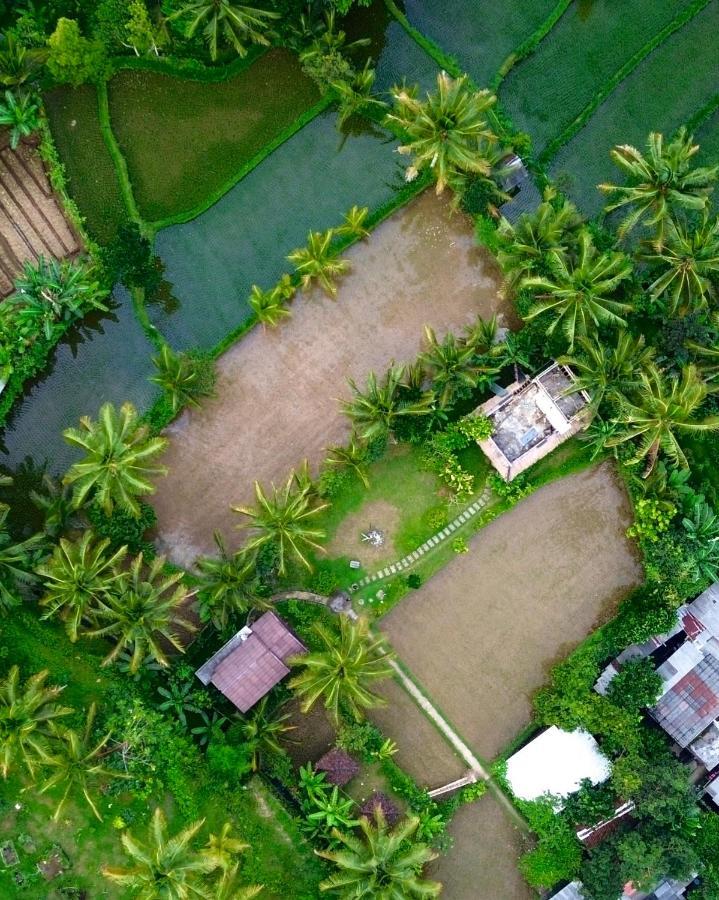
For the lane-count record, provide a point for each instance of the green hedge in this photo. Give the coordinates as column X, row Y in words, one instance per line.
column 118, row 159
column 188, row 68
column 531, row 44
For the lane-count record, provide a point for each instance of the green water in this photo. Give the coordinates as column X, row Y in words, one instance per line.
column 107, row 358
column 307, row 183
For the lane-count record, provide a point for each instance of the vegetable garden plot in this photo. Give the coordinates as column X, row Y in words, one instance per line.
column 92, row 182
column 545, row 92
column 660, row 94
column 479, row 33
column 109, row 362
column 183, row 139
column 307, row 183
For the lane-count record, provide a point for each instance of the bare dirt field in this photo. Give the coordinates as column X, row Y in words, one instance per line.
column 482, row 865
column 32, row 223
column 277, row 390
column 481, row 635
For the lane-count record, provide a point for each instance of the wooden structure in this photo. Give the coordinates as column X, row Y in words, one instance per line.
column 251, row 663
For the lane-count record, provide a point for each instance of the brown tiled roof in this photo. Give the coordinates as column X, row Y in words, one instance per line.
column 256, row 664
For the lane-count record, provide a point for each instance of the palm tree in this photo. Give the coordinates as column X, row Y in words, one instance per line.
column 355, row 95
column 76, row 762
column 21, row 113
column 18, row 64
column 663, row 408
column 689, row 257
column 51, row 291
column 165, row 868
column 184, row 378
column 452, row 365
column 315, row 261
column 269, row 306
column 228, row 887
column 354, row 223
column 79, row 578
column 227, row 22
column 580, row 291
column 448, row 132
column 385, row 864
column 353, row 456
column 25, row 716
column 660, row 182
column 17, row 562
column 116, row 468
column 283, row 518
column 509, row 352
column 263, row 729
column 342, row 671
column 227, row 587
column 524, row 247
column 609, row 373
column 481, row 335
column 376, row 411
column 144, row 612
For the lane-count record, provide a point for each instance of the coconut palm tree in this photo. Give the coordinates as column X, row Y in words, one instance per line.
column 17, row 563
column 26, row 713
column 452, row 365
column 609, row 373
column 342, row 672
column 580, row 292
column 21, row 114
column 523, row 248
column 228, row 585
column 269, row 306
column 660, row 182
column 184, row 378
column 355, row 95
column 510, row 352
column 223, row 847
column 76, row 762
column 663, row 408
column 263, row 730
column 165, row 868
column 352, row 456
column 354, row 222
column 316, row 262
column 143, row 613
column 482, row 334
column 79, row 578
column 223, row 21
column 18, row 64
column 51, row 291
column 228, row 887
column 384, row 863
column 117, row 466
column 448, row 132
column 283, row 518
column 376, row 411
column 689, row 258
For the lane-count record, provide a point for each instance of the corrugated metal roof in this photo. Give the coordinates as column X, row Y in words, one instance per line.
column 692, row 703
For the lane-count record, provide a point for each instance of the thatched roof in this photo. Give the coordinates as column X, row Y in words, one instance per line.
column 380, row 801
column 339, row 766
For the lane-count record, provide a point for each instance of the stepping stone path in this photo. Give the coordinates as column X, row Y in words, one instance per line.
column 428, row 545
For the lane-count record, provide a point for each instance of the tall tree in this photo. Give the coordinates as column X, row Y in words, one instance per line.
column 76, row 761
column 663, row 408
column 17, row 563
column 226, row 22
column 376, row 411
column 343, row 671
column 185, row 379
column 284, row 518
column 143, row 612
column 352, row 456
column 688, row 264
column 452, row 365
column 660, row 182
column 26, row 713
column 447, row 133
column 228, row 585
column 384, row 863
column 263, row 729
column 117, row 467
column 316, row 262
column 581, row 292
column 79, row 578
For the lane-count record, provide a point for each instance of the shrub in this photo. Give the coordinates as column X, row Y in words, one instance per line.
column 460, row 545
column 513, row 490
column 73, row 59
column 636, row 686
column 476, row 428
column 324, row 582
column 413, row 580
column 360, row 737
column 651, row 518
column 123, row 529
column 332, row 482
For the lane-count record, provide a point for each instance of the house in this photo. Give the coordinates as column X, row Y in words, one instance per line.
column 555, row 763
column 531, row 418
column 251, row 663
column 687, row 659
column 666, row 890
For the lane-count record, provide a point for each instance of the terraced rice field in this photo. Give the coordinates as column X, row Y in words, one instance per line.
column 32, row 223
column 659, row 95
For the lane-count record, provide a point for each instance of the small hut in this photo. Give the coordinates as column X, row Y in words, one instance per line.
column 339, row 766
column 382, row 803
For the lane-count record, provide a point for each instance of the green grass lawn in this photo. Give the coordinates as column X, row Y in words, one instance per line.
column 185, row 140
column 92, row 181
column 546, row 91
column 663, row 92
